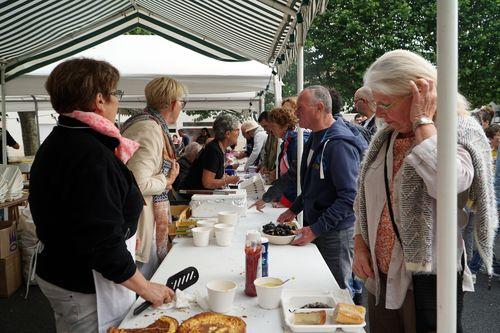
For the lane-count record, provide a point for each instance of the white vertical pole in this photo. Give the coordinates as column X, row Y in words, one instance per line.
column 262, row 103
column 447, row 63
column 278, row 97
column 277, row 91
column 300, row 131
column 4, row 115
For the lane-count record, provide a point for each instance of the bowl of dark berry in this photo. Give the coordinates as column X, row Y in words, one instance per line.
column 279, row 234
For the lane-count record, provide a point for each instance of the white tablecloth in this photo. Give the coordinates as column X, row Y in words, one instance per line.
column 213, row 262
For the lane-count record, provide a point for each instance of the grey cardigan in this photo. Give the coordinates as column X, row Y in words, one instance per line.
column 415, row 206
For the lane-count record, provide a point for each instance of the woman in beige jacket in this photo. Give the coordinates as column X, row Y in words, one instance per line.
column 154, row 167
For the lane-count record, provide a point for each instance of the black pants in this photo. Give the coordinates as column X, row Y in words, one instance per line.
column 425, row 294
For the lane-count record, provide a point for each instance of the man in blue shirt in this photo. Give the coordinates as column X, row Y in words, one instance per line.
column 329, row 170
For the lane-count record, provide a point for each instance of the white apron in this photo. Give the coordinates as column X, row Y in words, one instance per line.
column 113, row 300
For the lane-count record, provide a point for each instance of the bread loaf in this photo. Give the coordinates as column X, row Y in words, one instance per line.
column 349, row 314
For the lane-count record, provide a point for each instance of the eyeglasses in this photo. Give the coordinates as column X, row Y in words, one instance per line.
column 389, row 106
column 183, row 103
column 118, row 94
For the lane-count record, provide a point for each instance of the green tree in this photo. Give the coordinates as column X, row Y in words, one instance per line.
column 200, row 115
column 350, row 35
column 139, row 31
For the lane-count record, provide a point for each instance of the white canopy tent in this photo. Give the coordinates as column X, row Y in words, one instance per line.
column 211, row 83
column 233, row 31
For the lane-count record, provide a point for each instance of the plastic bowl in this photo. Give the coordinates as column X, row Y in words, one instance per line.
column 278, row 240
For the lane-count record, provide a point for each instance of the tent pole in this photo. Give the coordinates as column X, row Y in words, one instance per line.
column 4, row 114
column 262, row 103
column 277, row 91
column 300, row 131
column 278, row 97
column 35, row 102
column 447, row 64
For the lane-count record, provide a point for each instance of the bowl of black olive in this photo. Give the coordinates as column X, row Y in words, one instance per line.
column 279, row 234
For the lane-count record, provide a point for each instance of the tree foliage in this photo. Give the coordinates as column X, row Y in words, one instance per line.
column 200, row 115
column 350, row 35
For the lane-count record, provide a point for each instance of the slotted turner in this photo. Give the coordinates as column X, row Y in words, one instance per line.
column 182, row 280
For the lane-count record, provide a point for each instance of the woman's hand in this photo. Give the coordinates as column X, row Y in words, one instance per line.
column 259, row 205
column 157, row 294
column 172, row 175
column 362, row 265
column 424, row 99
column 174, row 171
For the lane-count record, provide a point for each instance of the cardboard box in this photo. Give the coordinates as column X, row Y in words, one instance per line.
column 10, row 274
column 180, row 212
column 8, row 238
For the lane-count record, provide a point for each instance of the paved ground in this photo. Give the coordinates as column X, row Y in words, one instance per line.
column 17, row 315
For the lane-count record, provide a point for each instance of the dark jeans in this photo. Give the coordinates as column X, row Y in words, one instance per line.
column 425, row 289
column 336, row 247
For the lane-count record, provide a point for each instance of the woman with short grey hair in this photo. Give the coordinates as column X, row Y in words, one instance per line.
column 207, row 171
column 223, row 124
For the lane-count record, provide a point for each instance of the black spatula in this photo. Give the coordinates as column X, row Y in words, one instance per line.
column 182, row 280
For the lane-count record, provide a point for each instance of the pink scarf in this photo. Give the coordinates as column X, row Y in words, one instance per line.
column 125, row 149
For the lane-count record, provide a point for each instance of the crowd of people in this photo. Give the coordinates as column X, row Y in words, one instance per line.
column 368, row 189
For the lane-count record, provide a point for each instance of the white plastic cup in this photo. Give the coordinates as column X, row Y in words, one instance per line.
column 221, row 295
column 268, row 296
column 201, row 236
column 228, row 217
column 207, row 224
column 224, row 234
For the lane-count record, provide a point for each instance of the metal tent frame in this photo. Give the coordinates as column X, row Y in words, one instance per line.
column 38, row 32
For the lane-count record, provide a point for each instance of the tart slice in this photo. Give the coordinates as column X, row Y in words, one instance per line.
column 213, row 323
column 164, row 324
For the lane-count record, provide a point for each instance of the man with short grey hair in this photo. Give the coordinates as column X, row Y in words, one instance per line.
column 329, row 170
column 363, row 103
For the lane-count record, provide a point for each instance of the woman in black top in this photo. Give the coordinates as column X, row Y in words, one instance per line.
column 86, row 204
column 207, row 171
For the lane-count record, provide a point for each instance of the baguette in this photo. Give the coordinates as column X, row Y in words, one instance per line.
column 349, row 314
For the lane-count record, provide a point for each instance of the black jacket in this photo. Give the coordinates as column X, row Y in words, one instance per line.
column 84, row 203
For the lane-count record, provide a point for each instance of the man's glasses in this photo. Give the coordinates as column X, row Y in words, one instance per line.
column 118, row 94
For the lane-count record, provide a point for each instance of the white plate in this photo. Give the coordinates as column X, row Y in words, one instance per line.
column 293, row 300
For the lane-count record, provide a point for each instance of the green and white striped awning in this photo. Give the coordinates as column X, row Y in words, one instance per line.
column 35, row 33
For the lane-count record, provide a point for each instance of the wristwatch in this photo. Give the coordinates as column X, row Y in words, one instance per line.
column 421, row 121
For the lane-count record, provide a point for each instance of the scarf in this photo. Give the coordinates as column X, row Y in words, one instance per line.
column 161, row 204
column 415, row 207
column 126, row 147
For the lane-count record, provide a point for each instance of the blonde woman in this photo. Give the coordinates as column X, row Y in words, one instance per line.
column 394, row 243
column 155, row 167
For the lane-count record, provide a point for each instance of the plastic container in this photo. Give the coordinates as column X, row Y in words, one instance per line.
column 253, row 253
column 265, row 256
